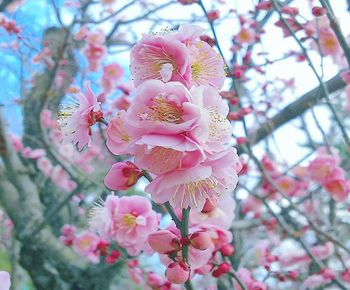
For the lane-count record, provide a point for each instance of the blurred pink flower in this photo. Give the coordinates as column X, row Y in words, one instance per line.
column 86, row 245
column 5, row 281
column 76, row 120
column 112, row 73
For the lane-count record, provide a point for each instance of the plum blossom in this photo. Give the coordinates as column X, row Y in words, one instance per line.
column 122, row 176
column 160, row 58
column 76, row 120
column 86, row 245
column 220, row 215
column 127, row 220
column 112, row 73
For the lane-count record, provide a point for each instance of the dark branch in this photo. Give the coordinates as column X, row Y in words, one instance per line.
column 293, row 110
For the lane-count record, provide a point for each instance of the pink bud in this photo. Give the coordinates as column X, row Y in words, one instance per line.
column 209, row 205
column 154, row 280
column 204, row 270
column 213, row 15
column 222, row 269
column 319, row 11
column 122, row 176
column 227, row 250
column 200, row 240
column 257, row 285
column 177, row 272
column 164, row 242
column 293, row 274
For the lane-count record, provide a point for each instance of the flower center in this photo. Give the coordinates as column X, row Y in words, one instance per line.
column 164, row 111
column 129, row 220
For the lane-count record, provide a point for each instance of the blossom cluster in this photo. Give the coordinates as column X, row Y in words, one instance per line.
column 177, row 130
column 176, row 125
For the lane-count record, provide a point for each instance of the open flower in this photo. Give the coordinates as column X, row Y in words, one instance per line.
column 160, row 58
column 163, row 109
column 192, row 187
column 207, row 66
column 76, row 120
column 127, row 220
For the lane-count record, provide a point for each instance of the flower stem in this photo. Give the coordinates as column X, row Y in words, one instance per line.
column 184, row 231
column 182, row 225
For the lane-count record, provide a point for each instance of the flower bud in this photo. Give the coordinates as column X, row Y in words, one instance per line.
column 227, row 250
column 319, row 11
column 177, row 272
column 200, row 240
column 209, row 205
column 154, row 280
column 222, row 269
column 204, row 270
column 164, row 242
column 122, row 176
column 213, row 15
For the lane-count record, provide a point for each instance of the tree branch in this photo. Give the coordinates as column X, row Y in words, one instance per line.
column 293, row 110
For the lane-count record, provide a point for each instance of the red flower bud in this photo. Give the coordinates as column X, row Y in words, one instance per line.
column 177, row 272
column 200, row 240
column 227, row 250
column 319, row 11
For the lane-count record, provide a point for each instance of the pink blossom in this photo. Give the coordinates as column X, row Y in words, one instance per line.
column 160, row 160
column 316, row 280
column 191, row 187
column 16, row 142
column 322, row 167
column 122, row 103
column 128, row 220
column 213, row 15
column 44, row 165
column 5, row 281
column 110, row 77
column 86, row 245
column 163, row 109
column 122, row 176
column 61, row 179
column 329, row 43
column 207, row 66
column 118, row 135
column 246, row 36
column 338, row 188
column 246, row 277
column 160, row 58
column 200, row 240
column 136, row 275
column 177, row 272
column 46, row 119
column 95, row 53
column 198, row 258
column 164, row 242
column 76, row 122
column 345, row 275
column 96, row 37
column 221, row 215
column 345, row 77
column 68, row 234
column 214, row 130
column 82, row 33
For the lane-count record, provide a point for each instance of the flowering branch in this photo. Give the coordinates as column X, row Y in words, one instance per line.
column 322, row 85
